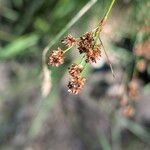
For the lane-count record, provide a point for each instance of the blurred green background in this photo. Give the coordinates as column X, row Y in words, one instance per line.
column 56, row 120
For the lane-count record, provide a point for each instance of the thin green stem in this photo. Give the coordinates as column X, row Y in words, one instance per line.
column 82, row 60
column 99, row 28
column 68, row 49
column 109, row 9
column 83, row 63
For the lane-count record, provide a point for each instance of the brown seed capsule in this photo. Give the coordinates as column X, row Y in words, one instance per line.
column 128, row 111
column 69, row 40
column 75, row 70
column 85, row 42
column 56, row 58
column 76, row 85
column 141, row 65
column 93, row 54
column 133, row 89
column 143, row 49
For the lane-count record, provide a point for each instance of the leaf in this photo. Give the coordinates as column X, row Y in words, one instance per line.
column 136, row 129
column 18, row 46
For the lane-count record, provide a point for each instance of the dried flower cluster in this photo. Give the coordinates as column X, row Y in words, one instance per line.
column 69, row 40
column 141, row 65
column 85, row 43
column 56, row 58
column 133, row 89
column 143, row 50
column 128, row 111
column 129, row 97
column 89, row 46
column 77, row 82
column 75, row 70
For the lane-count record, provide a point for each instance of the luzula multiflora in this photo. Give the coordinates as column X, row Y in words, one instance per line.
column 88, row 45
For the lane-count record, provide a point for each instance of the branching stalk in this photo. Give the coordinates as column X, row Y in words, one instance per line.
column 109, row 9
column 103, row 21
column 110, row 64
column 67, row 27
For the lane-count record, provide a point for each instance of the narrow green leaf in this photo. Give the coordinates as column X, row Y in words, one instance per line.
column 18, row 46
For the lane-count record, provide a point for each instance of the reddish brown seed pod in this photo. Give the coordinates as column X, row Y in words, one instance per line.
column 56, row 58
column 69, row 40
column 76, row 84
column 75, row 70
column 85, row 42
column 128, row 111
column 93, row 54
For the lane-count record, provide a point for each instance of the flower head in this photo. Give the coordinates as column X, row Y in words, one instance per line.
column 128, row 111
column 143, row 49
column 75, row 70
column 85, row 42
column 93, row 54
column 133, row 89
column 69, row 40
column 141, row 65
column 76, row 84
column 56, row 58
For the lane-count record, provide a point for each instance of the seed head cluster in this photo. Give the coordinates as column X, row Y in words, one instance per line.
column 56, row 58
column 88, row 46
column 85, row 43
column 76, row 82
column 129, row 98
column 75, row 70
column 69, row 40
column 128, row 111
column 93, row 54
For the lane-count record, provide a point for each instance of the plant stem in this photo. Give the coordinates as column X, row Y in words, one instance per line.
column 110, row 64
column 99, row 28
column 109, row 9
column 68, row 49
column 82, row 60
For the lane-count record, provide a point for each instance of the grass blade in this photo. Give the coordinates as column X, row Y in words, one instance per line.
column 18, row 46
